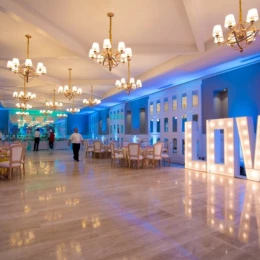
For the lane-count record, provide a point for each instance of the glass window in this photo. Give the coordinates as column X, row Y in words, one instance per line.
column 174, row 103
column 111, row 129
column 118, row 116
column 195, row 117
column 158, row 106
column 151, row 126
column 174, row 124
column 114, row 115
column 166, row 125
column 151, row 107
column 158, row 139
column 184, row 101
column 122, row 129
column 158, row 126
column 166, row 105
column 122, row 114
column 184, row 119
column 195, row 98
column 174, row 146
column 151, row 141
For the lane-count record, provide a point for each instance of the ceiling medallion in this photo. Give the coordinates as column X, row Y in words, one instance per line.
column 108, row 57
column 68, row 90
column 91, row 102
column 26, row 70
column 240, row 34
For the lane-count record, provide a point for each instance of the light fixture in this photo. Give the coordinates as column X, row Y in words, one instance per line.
column 23, row 106
column 240, row 34
column 108, row 57
column 130, row 84
column 46, row 112
column 22, row 113
column 26, row 70
column 68, row 90
column 21, row 122
column 23, row 96
column 62, row 115
column 53, row 105
column 91, row 102
column 73, row 109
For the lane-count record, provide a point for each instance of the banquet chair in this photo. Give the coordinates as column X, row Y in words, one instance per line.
column 98, row 148
column 88, row 149
column 125, row 144
column 134, row 154
column 15, row 160
column 156, row 155
column 166, row 156
column 114, row 155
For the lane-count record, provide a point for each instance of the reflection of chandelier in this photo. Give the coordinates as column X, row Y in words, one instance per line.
column 130, row 84
column 47, row 122
column 54, row 105
column 90, row 102
column 23, row 106
column 26, row 70
column 240, row 34
column 33, row 123
column 108, row 57
column 22, row 113
column 23, row 96
column 73, row 109
column 62, row 115
column 21, row 122
column 68, row 90
column 46, row 112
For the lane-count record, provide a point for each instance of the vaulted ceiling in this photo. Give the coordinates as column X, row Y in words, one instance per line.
column 171, row 42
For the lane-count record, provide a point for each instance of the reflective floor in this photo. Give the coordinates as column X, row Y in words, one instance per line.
column 87, row 210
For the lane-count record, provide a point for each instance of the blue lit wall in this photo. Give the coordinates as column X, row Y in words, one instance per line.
column 81, row 121
column 103, row 122
column 243, row 93
column 4, row 118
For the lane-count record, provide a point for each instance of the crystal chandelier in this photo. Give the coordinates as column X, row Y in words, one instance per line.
column 68, row 90
column 91, row 102
column 240, row 34
column 62, row 115
column 73, row 109
column 22, row 113
column 108, row 57
column 46, row 112
column 23, row 96
column 130, row 84
column 26, row 70
column 53, row 105
column 23, row 106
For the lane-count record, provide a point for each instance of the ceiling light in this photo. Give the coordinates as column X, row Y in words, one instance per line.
column 53, row 105
column 91, row 102
column 26, row 70
column 62, row 115
column 108, row 57
column 73, row 109
column 22, row 113
column 68, row 90
column 23, row 96
column 46, row 112
column 130, row 84
column 240, row 34
column 23, row 106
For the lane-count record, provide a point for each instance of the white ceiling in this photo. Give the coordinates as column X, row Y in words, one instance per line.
column 171, row 42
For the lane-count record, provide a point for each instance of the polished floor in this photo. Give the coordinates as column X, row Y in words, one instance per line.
column 87, row 210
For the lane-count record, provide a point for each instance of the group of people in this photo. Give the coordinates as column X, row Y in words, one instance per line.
column 76, row 139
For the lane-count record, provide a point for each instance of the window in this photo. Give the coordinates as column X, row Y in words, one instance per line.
column 151, row 126
column 165, row 125
column 174, row 103
column 111, row 132
column 174, row 124
column 195, row 117
column 151, row 107
column 158, row 125
column 166, row 105
column 184, row 101
column 158, row 106
column 118, row 116
column 184, row 119
column 114, row 115
column 151, row 141
column 122, row 114
column 183, row 146
column 195, row 98
column 122, row 129
column 174, row 146
column 158, row 139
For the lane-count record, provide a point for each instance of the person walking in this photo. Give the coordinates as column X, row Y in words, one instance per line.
column 51, row 139
column 75, row 139
column 36, row 139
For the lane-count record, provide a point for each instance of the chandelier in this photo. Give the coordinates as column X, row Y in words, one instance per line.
column 62, row 115
column 54, row 105
column 46, row 112
column 68, row 90
column 23, row 96
column 240, row 34
column 108, row 57
column 22, row 113
column 73, row 109
column 130, row 84
column 23, row 106
column 21, row 122
column 91, row 102
column 26, row 70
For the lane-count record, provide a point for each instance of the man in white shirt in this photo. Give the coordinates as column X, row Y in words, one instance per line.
column 75, row 139
column 36, row 139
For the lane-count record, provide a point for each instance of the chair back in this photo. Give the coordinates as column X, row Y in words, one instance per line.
column 134, row 150
column 157, row 149
column 125, row 144
column 112, row 147
column 97, row 146
column 16, row 153
column 86, row 144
